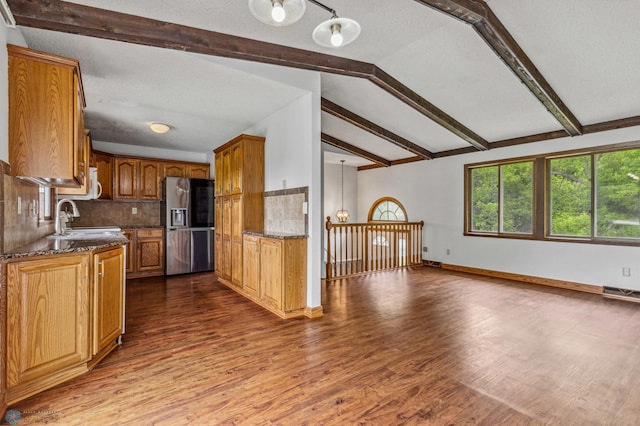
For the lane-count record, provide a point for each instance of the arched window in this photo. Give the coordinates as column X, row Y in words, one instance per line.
column 387, row 209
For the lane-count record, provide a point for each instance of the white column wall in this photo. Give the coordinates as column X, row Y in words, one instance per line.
column 433, row 191
column 293, row 158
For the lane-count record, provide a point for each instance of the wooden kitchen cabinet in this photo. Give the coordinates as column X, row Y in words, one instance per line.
column 83, row 189
column 48, row 323
column 240, row 182
column 107, row 301
column 251, row 265
column 136, row 179
column 145, row 252
column 104, row 163
column 46, row 117
column 275, row 273
column 174, row 169
column 198, row 171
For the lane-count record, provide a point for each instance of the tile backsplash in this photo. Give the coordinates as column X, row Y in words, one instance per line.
column 283, row 211
column 117, row 213
column 19, row 219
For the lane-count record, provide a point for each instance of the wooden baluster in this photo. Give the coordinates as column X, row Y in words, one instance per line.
column 328, row 264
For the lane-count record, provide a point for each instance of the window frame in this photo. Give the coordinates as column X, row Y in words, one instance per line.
column 542, row 197
column 382, row 200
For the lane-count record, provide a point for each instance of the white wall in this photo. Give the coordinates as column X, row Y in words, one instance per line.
column 433, row 191
column 293, row 157
column 332, row 192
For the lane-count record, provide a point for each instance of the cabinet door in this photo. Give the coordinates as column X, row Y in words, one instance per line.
column 196, row 171
column 226, row 172
column 104, row 164
column 236, row 240
column 130, row 250
column 150, row 253
column 218, row 248
column 47, row 318
column 236, row 169
column 149, row 183
column 80, row 165
column 218, row 175
column 85, row 152
column 125, row 178
column 42, row 138
column 225, row 268
column 108, row 298
column 173, row 170
column 251, row 265
column 271, row 272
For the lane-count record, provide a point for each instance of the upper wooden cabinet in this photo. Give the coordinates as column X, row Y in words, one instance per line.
column 198, row 171
column 86, row 159
column 174, row 169
column 46, row 117
column 136, row 179
column 104, row 163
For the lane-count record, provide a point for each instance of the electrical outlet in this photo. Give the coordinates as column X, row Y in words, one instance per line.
column 626, row 272
column 448, row 252
column 305, row 208
column 424, row 249
column 134, row 210
column 19, row 204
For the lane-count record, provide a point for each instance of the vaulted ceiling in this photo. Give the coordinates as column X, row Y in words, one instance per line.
column 425, row 79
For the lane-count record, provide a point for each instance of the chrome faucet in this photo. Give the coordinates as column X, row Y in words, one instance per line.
column 62, row 219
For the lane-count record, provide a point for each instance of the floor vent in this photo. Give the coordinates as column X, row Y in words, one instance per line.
column 621, row 293
column 431, row 263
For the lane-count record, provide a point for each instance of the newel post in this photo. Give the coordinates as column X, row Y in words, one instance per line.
column 328, row 226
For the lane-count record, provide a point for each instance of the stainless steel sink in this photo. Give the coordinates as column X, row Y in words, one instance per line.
column 88, row 233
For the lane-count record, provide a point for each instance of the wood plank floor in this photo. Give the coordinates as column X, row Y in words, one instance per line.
column 421, row 346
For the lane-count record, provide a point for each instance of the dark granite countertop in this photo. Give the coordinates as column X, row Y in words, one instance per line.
column 45, row 246
column 279, row 235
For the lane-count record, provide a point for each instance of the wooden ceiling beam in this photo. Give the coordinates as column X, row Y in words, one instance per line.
column 361, row 122
column 395, row 162
column 493, row 32
column 408, row 96
column 330, row 140
column 56, row 15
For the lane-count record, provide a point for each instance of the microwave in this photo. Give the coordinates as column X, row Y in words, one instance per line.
column 95, row 188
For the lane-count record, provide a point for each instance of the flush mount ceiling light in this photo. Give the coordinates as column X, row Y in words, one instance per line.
column 159, row 127
column 335, row 32
column 279, row 13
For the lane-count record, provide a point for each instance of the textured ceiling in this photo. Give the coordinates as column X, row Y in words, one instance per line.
column 585, row 49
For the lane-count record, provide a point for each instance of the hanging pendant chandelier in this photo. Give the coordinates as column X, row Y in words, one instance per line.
column 342, row 214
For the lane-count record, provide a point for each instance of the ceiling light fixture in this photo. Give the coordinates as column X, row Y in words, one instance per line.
column 159, row 127
column 334, row 32
column 279, row 13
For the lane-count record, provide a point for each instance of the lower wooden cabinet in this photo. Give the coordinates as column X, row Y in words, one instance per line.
column 275, row 273
column 145, row 252
column 48, row 317
column 108, row 301
column 61, row 318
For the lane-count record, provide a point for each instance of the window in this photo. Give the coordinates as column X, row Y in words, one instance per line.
column 46, row 203
column 502, row 198
column 387, row 208
column 590, row 196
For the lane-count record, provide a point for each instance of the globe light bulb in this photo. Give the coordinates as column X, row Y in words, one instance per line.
column 336, row 35
column 277, row 11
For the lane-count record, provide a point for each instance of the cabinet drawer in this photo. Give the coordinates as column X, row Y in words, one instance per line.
column 149, row 233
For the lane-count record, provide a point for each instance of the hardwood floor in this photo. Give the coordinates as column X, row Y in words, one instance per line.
column 421, row 346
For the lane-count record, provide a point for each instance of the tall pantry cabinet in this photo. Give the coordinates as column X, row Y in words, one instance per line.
column 239, row 202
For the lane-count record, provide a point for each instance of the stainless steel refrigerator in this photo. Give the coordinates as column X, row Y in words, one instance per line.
column 188, row 216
